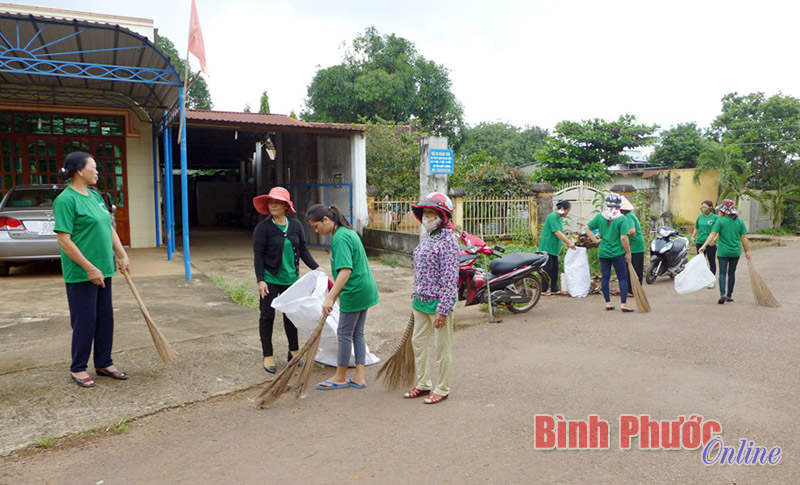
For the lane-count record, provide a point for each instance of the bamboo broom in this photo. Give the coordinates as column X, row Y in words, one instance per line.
column 760, row 290
column 286, row 379
column 163, row 347
column 638, row 292
column 398, row 370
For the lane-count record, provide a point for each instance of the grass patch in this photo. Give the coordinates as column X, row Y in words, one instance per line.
column 46, row 443
column 460, row 324
column 119, row 427
column 239, row 291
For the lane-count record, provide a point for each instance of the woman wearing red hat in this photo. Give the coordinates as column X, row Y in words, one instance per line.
column 279, row 243
column 730, row 234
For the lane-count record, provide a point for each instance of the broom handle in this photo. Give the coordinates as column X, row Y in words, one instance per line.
column 136, row 295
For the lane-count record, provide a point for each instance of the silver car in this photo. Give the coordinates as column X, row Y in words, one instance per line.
column 26, row 225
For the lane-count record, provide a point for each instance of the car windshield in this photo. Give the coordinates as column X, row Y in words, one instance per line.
column 32, row 198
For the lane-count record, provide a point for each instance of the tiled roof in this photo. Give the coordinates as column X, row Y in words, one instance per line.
column 279, row 121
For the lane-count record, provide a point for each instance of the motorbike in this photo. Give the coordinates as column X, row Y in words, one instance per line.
column 668, row 254
column 514, row 279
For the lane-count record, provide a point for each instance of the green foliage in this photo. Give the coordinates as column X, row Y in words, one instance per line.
column 787, row 192
column 679, row 146
column 119, row 427
column 263, row 106
column 46, row 442
column 509, row 144
column 733, row 173
column 246, row 108
column 393, row 159
column 293, row 115
column 496, row 180
column 468, row 165
column 239, row 291
column 198, row 96
column 385, row 76
column 584, row 150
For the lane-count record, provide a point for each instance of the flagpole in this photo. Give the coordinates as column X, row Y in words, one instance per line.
column 185, row 95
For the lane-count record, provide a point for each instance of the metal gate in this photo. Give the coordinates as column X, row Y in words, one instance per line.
column 306, row 195
column 584, row 199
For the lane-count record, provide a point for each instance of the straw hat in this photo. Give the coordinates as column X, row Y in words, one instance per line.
column 626, row 204
column 277, row 193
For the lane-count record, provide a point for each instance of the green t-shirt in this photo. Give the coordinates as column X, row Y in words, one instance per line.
column 549, row 243
column 729, row 243
column 704, row 224
column 360, row 292
column 428, row 307
column 87, row 220
column 637, row 240
column 611, row 245
column 287, row 272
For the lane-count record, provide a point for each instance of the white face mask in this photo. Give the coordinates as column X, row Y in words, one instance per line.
column 431, row 223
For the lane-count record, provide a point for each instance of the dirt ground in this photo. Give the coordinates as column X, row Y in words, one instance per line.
column 736, row 363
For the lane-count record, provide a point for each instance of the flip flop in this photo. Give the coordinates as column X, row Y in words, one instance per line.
column 332, row 385
column 609, row 308
column 117, row 374
column 357, row 386
column 626, row 310
column 85, row 382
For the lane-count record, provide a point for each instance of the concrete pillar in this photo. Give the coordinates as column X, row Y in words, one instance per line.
column 544, row 204
column 358, row 167
column 429, row 182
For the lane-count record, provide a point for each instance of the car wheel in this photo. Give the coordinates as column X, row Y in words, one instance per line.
column 4, row 268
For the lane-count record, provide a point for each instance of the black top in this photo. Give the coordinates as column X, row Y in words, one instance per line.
column 268, row 247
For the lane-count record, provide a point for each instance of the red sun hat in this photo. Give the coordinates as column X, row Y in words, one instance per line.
column 277, row 193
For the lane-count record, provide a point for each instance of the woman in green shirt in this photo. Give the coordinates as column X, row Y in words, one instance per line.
column 702, row 228
column 88, row 242
column 614, row 248
column 636, row 240
column 355, row 288
column 730, row 233
column 550, row 242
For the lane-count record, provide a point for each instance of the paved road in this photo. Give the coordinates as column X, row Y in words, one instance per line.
column 736, row 363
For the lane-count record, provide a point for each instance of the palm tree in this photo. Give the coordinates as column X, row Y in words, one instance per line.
column 733, row 172
column 786, row 192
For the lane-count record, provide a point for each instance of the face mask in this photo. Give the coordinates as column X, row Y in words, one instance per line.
column 707, row 211
column 561, row 212
column 431, row 223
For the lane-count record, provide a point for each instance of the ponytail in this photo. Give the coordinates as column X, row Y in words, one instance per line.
column 73, row 163
column 316, row 212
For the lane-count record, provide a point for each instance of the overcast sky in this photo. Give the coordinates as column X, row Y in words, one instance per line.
column 522, row 62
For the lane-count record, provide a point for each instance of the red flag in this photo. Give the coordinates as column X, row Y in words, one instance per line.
column 196, row 45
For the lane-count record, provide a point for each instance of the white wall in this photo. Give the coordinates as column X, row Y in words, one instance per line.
column 139, row 154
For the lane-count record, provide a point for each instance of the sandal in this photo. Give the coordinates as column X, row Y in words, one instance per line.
column 435, row 398
column 85, row 382
column 416, row 392
column 117, row 374
column 609, row 308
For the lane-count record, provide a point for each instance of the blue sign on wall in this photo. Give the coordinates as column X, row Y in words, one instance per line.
column 441, row 161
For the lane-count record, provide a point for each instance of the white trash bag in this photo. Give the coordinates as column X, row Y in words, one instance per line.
column 695, row 276
column 302, row 303
column 576, row 269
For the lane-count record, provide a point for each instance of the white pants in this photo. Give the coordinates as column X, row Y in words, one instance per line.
column 423, row 328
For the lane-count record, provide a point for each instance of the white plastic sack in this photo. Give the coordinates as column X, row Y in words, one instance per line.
column 576, row 269
column 302, row 303
column 694, row 277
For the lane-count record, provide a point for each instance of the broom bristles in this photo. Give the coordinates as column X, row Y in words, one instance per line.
column 760, row 289
column 398, row 370
column 286, row 379
column 642, row 304
column 163, row 347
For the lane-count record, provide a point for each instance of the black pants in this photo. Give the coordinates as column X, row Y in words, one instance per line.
column 267, row 319
column 727, row 267
column 91, row 315
column 711, row 256
column 551, row 268
column 637, row 260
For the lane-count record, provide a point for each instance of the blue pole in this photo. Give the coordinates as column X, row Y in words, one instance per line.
column 155, row 188
column 168, row 190
column 187, row 260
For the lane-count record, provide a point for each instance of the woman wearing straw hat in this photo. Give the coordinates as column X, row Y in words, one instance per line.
column 730, row 234
column 702, row 228
column 550, row 242
column 88, row 242
column 279, row 243
column 614, row 249
column 435, row 291
column 636, row 240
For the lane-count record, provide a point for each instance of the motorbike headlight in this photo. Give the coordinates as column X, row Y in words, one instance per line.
column 666, row 248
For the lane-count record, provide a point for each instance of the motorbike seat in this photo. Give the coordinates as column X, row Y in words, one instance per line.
column 678, row 244
column 509, row 263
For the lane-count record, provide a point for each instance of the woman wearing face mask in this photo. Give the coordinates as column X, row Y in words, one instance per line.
column 550, row 242
column 732, row 235
column 355, row 288
column 702, row 228
column 636, row 239
column 614, row 249
column 435, row 292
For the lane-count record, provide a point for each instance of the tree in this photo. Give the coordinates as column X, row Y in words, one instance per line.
column 509, row 144
column 678, row 146
column 198, row 96
column 468, row 165
column 733, row 173
column 385, row 77
column 584, row 150
column 497, row 180
column 246, row 108
column 263, row 106
column 393, row 159
column 786, row 195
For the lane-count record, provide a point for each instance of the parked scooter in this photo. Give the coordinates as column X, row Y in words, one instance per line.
column 668, row 254
column 512, row 278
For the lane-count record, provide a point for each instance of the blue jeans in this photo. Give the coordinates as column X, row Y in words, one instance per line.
column 727, row 267
column 351, row 336
column 620, row 267
column 91, row 314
